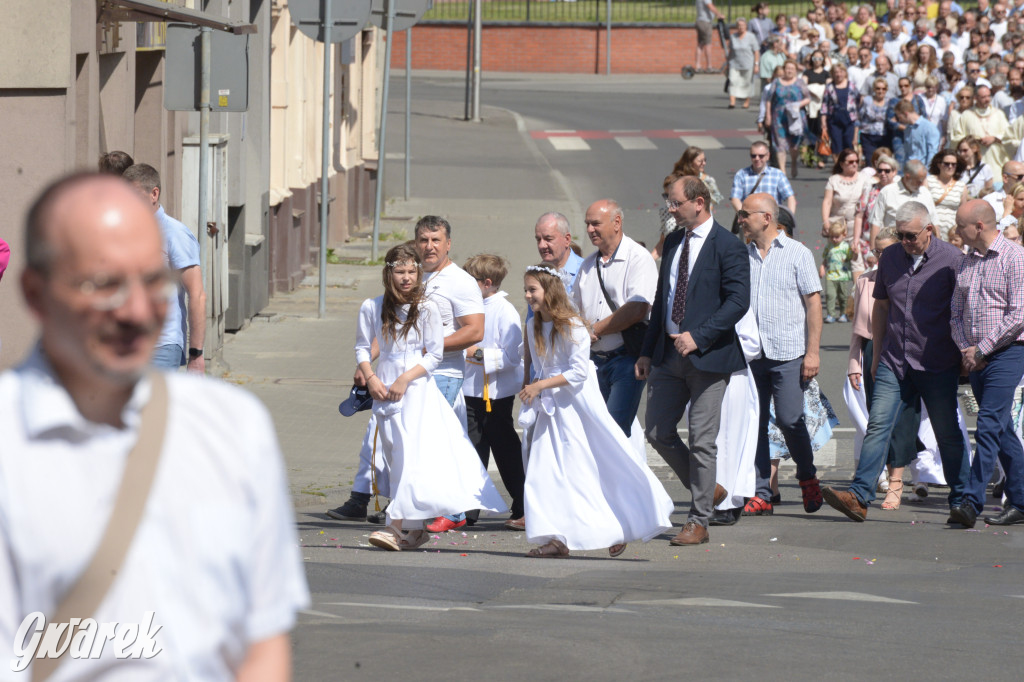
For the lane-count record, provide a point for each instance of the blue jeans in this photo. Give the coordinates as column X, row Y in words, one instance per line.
column 781, row 380
column 450, row 389
column 994, row 386
column 619, row 386
column 169, row 357
column 903, row 443
column 891, row 397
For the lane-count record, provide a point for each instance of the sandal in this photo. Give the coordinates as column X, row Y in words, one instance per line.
column 554, row 549
column 413, row 539
column 894, row 495
column 616, row 550
column 389, row 539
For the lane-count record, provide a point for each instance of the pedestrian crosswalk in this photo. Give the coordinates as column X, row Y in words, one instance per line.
column 641, row 140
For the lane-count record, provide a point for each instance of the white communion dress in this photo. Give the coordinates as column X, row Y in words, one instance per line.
column 434, row 469
column 585, row 485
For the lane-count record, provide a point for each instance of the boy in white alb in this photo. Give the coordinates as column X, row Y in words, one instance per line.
column 494, row 375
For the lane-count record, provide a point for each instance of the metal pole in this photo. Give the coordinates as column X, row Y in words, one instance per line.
column 408, row 103
column 469, row 60
column 325, row 160
column 204, row 146
column 477, row 29
column 389, row 13
column 608, row 39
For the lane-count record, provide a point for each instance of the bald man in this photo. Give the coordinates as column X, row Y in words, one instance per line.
column 217, row 525
column 1002, row 200
column 988, row 327
column 614, row 290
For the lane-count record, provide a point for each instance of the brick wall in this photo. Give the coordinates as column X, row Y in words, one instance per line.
column 554, row 49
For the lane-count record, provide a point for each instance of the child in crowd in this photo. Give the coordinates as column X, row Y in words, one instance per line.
column 954, row 238
column 1012, row 233
column 433, row 467
column 585, row 486
column 837, row 270
column 494, row 374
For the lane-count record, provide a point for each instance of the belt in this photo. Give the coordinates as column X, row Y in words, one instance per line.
column 608, row 354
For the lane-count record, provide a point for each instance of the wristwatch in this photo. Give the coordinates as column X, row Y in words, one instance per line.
column 979, row 356
column 194, row 353
column 478, row 354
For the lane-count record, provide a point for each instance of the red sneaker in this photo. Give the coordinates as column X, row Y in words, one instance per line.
column 443, row 524
column 811, row 492
column 758, row 507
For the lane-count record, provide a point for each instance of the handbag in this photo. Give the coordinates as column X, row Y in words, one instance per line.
column 86, row 595
column 633, row 335
column 824, row 144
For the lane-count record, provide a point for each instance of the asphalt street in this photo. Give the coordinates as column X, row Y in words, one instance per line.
column 792, row 596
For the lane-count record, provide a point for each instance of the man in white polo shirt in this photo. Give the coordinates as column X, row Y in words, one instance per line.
column 614, row 290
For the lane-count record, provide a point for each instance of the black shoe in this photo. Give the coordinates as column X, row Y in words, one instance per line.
column 964, row 515
column 353, row 510
column 776, row 498
column 725, row 517
column 378, row 517
column 1009, row 517
column 997, row 490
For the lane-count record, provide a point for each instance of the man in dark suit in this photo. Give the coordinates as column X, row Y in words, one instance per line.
column 691, row 347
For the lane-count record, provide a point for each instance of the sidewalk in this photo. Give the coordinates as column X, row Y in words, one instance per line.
column 301, row 367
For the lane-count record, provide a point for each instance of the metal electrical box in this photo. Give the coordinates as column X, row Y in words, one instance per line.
column 229, row 70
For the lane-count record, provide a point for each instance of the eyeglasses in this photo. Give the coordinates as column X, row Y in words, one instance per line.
column 110, row 293
column 854, row 160
column 883, row 170
column 758, row 156
column 973, row 70
column 908, row 236
column 949, row 164
column 1018, row 178
column 673, row 204
column 743, row 214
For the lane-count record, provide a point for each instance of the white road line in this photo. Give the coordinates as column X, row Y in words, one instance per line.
column 700, row 601
column 400, row 607
column 616, row 132
column 843, row 596
column 569, row 144
column 562, row 607
column 635, row 143
column 559, row 131
column 310, row 612
column 702, row 141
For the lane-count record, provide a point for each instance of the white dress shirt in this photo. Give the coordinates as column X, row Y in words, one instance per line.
column 503, row 352
column 698, row 236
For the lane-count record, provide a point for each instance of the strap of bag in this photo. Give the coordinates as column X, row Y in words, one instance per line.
column 758, row 183
column 85, row 597
column 600, row 280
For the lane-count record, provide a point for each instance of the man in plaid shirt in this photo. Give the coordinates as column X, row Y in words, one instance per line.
column 988, row 327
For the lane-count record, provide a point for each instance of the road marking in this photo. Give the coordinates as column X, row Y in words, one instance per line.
column 702, row 141
column 310, row 612
column 653, row 134
column 755, row 138
column 700, row 601
column 568, row 144
column 400, row 607
column 635, row 143
column 562, row 607
column 843, row 596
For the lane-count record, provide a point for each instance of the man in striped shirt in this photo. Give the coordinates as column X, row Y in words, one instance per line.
column 785, row 298
column 988, row 327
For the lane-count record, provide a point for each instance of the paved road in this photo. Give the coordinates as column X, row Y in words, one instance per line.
column 793, row 596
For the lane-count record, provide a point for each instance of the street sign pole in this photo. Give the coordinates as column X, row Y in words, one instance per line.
column 408, row 103
column 477, row 30
column 389, row 20
column 325, row 160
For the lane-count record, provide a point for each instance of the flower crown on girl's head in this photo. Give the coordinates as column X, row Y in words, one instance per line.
column 538, row 268
column 396, row 263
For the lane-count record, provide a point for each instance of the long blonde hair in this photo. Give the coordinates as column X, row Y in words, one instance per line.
column 560, row 309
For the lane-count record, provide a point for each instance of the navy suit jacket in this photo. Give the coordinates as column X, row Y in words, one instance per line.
column 717, row 296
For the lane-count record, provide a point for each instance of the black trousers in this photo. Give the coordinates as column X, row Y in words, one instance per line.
column 495, row 432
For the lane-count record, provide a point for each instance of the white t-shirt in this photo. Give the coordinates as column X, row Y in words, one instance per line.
column 629, row 275
column 503, row 352
column 456, row 294
column 215, row 557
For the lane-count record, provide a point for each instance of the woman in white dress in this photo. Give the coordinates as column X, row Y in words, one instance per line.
column 433, row 467
column 585, row 487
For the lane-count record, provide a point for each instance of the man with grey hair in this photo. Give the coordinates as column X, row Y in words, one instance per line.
column 911, row 187
column 614, row 290
column 554, row 244
column 914, row 358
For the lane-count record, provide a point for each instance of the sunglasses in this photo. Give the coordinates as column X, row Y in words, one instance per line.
column 1018, row 178
column 884, row 170
column 744, row 214
column 759, row 156
column 908, row 236
column 949, row 164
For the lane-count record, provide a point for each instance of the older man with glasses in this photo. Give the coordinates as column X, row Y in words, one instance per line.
column 760, row 177
column 1002, row 199
column 914, row 358
column 911, row 187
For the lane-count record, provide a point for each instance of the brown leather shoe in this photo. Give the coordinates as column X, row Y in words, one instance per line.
column 845, row 502
column 692, row 534
column 720, row 495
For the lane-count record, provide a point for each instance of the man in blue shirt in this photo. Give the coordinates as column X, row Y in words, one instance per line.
column 760, row 177
column 920, row 136
column 181, row 250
